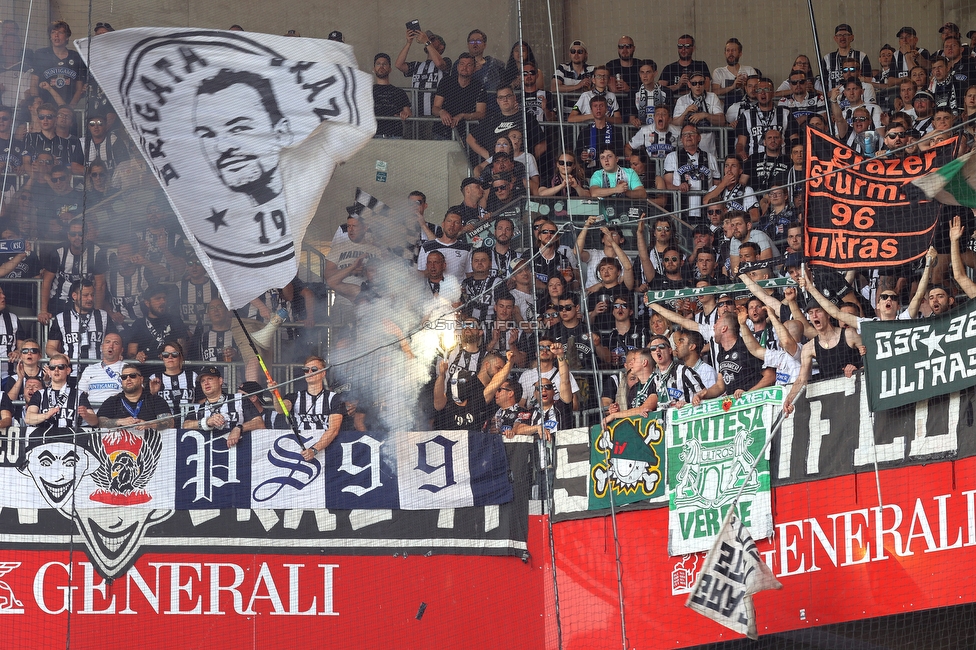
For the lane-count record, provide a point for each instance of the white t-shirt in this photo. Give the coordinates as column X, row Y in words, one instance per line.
column 787, row 366
column 657, row 143
column 713, row 106
column 725, row 78
column 101, row 382
column 755, row 236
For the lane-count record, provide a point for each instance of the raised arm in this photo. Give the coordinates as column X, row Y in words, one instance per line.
column 931, row 257
column 625, row 263
column 958, row 268
column 674, row 317
column 829, row 307
column 643, row 252
column 750, row 341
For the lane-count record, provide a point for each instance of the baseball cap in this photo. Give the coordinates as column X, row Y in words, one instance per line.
column 723, row 296
column 578, row 44
column 952, row 27
column 251, row 387
column 923, row 94
column 906, row 30
column 970, row 33
column 843, row 27
column 212, row 371
column 792, row 260
column 701, row 229
column 469, row 181
column 336, row 35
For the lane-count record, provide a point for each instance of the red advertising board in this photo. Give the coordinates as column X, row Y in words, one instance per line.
column 839, row 556
column 184, row 601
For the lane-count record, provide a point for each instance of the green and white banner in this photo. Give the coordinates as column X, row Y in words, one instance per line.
column 914, row 360
column 711, row 451
column 739, row 287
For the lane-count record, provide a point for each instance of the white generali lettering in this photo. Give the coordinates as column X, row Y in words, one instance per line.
column 875, row 534
column 194, row 588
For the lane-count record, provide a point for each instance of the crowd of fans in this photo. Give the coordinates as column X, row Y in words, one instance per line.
column 583, row 337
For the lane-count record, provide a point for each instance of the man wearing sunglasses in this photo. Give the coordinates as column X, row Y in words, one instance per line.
column 103, row 144
column 754, row 123
column 836, row 62
column 700, row 107
column 533, row 95
column 47, row 139
column 674, row 381
column 677, row 74
column 134, row 406
column 574, row 76
column 551, row 355
column 802, row 101
column 59, row 405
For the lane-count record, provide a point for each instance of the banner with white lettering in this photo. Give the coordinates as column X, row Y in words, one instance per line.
column 711, row 450
column 910, row 360
column 732, row 573
column 243, row 130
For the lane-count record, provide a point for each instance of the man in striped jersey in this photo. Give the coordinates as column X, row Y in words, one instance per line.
column 215, row 342
column 221, row 413
column 68, row 264
column 196, row 292
column 79, row 332
column 316, row 408
column 127, row 278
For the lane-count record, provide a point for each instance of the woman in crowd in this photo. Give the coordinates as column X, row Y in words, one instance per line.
column 486, row 169
column 175, row 384
column 525, row 158
column 968, row 117
column 521, row 54
column 568, row 179
column 556, row 289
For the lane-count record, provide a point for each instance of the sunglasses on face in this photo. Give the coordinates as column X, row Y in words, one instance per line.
column 860, row 119
column 169, row 355
column 547, row 231
column 714, row 211
column 659, row 346
column 850, row 69
column 58, row 179
column 567, row 307
column 528, row 73
column 662, row 228
column 671, row 259
column 796, row 82
column 565, row 163
column 95, row 123
column 727, row 303
column 96, row 174
column 682, row 46
column 57, row 366
column 697, row 83
column 550, row 314
column 30, row 350
column 625, row 46
column 545, row 387
column 888, row 296
column 475, row 42
column 897, row 134
column 308, row 369
column 577, row 51
column 45, row 117
column 621, row 306
column 131, row 375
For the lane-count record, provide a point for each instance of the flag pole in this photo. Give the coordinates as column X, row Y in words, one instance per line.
column 824, row 78
column 267, row 374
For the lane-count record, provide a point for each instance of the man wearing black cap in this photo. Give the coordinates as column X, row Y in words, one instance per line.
column 261, row 401
column 220, row 412
column 134, row 406
column 924, row 105
column 148, row 335
column 334, row 35
column 833, row 63
column 388, row 100
column 909, row 54
column 470, row 208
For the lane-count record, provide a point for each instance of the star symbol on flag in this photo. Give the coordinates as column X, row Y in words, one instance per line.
column 933, row 342
column 217, row 218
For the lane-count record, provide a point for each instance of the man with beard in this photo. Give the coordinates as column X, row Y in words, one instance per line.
column 571, row 327
column 428, row 73
column 688, row 347
column 689, row 168
column 552, row 258
column 148, row 335
column 509, row 419
column 55, row 406
column 548, row 368
column 134, row 406
column 462, row 398
column 754, row 123
column 101, row 380
column 677, row 75
column 625, row 75
column 79, row 332
column 388, row 100
column 459, row 97
column 769, row 167
column 219, row 412
column 68, row 264
column 729, row 81
column 738, row 371
column 480, row 291
column 457, row 253
column 503, row 254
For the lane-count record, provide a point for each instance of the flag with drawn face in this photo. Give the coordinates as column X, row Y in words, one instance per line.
column 243, row 132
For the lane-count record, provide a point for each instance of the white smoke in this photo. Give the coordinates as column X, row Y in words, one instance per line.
column 386, row 380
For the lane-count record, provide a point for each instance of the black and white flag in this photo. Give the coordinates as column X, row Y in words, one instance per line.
column 243, row 131
column 732, row 573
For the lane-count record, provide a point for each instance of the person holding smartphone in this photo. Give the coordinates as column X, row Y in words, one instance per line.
column 425, row 74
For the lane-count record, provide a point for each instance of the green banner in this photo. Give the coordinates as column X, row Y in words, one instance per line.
column 711, row 449
column 913, row 360
column 671, row 294
column 627, row 461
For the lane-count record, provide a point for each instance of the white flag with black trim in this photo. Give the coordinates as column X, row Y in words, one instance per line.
column 732, row 573
column 243, row 131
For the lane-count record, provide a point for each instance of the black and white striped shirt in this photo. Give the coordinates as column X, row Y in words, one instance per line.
column 125, row 292
column 312, row 412
column 194, row 299
column 81, row 335
column 178, row 390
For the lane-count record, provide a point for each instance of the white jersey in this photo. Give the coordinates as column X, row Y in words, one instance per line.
column 101, row 381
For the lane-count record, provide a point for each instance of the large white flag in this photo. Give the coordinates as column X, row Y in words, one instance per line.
column 243, row 131
column 733, row 572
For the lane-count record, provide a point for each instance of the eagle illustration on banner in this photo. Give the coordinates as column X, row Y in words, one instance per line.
column 243, row 131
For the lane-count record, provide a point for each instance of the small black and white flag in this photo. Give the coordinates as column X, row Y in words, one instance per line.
column 244, row 132
column 732, row 573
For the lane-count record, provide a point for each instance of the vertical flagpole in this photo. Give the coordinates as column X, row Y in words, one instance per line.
column 267, row 374
column 824, row 78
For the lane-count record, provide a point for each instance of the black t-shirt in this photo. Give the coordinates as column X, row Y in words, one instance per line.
column 458, row 99
column 673, row 72
column 388, row 101
column 738, row 367
column 149, row 334
column 495, row 125
column 62, row 74
column 147, row 407
column 766, row 172
column 630, row 75
column 604, row 322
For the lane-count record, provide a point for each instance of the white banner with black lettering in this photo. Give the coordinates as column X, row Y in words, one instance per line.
column 243, row 131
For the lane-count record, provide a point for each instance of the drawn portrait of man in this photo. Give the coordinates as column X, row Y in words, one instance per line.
column 234, row 114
